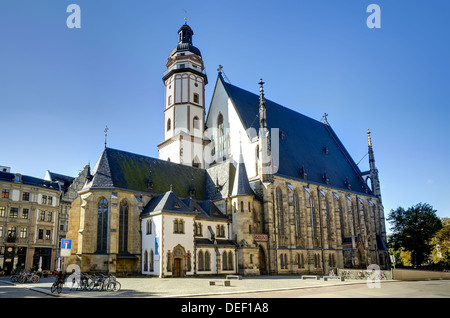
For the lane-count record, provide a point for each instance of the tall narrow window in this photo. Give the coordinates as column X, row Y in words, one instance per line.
column 296, row 215
column 207, row 261
column 311, row 209
column 196, row 98
column 220, row 136
column 169, row 124
column 200, row 261
column 224, row 260
column 102, row 225
column 280, row 214
column 123, row 226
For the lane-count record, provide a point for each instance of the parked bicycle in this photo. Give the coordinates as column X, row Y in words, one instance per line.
column 25, row 277
column 112, row 283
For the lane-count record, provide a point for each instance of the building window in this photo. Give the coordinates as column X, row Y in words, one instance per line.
column 151, row 260
column 220, row 135
column 297, row 215
column 26, row 196
column 207, row 261
column 145, row 261
column 169, row 124
column 280, row 211
column 44, row 199
column 178, row 226
column 25, row 213
column 169, row 102
column 123, row 226
column 149, row 227
column 48, row 234
column 200, row 261
column 102, row 225
column 23, row 233
column 13, row 212
column 196, row 98
column 49, row 216
column 198, row 229
column 5, row 193
column 2, row 211
column 227, row 260
column 12, row 232
column 41, row 234
column 220, row 230
column 50, row 200
column 196, row 123
column 41, row 215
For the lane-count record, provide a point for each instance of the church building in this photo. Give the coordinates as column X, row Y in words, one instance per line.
column 248, row 187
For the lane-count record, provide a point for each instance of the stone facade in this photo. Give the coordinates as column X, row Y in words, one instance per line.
column 275, row 192
column 29, row 217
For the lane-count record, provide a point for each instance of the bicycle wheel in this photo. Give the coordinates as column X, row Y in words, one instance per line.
column 35, row 279
column 114, row 286
column 59, row 287
column 21, row 279
column 53, row 288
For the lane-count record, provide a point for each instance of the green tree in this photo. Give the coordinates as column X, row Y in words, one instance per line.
column 412, row 230
column 440, row 245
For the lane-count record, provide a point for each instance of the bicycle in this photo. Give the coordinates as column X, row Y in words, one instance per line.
column 58, row 283
column 28, row 277
column 97, row 282
column 113, row 284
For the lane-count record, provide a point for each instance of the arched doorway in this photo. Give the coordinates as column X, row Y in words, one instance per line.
column 262, row 261
column 179, row 261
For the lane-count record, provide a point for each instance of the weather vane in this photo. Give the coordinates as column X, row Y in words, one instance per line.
column 185, row 16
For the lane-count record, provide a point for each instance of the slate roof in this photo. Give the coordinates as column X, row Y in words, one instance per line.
column 167, row 202
column 241, row 185
column 28, row 180
column 304, row 142
column 125, row 170
column 65, row 181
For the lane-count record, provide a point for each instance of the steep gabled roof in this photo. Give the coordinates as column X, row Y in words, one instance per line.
column 303, row 142
column 167, row 202
column 241, row 185
column 125, row 170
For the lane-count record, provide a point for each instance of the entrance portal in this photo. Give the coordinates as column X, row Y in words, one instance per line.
column 262, row 261
column 177, row 267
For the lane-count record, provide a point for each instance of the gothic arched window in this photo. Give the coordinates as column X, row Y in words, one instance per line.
column 220, row 136
column 123, row 226
column 280, row 211
column 102, row 225
column 200, row 261
column 298, row 231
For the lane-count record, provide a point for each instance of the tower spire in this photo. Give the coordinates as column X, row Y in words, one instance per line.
column 373, row 169
column 262, row 106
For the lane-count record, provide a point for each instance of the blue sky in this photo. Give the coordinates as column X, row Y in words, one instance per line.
column 60, row 87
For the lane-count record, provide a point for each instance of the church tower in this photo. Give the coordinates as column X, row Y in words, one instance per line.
column 184, row 104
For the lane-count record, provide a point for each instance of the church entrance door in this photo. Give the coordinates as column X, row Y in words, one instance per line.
column 262, row 261
column 177, row 267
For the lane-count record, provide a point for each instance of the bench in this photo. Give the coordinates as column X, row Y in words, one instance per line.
column 310, row 276
column 234, row 276
column 219, row 282
column 326, row 278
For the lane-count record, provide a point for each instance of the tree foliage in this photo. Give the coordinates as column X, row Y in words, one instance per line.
column 413, row 229
column 440, row 245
